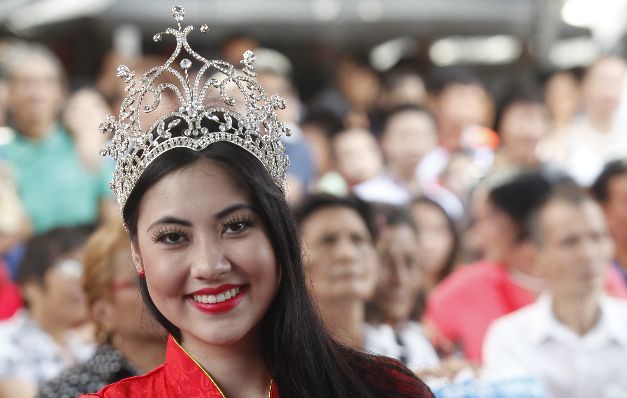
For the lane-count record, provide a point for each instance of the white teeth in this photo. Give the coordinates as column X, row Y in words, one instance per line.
column 219, row 298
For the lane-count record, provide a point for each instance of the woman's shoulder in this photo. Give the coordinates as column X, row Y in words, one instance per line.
column 151, row 384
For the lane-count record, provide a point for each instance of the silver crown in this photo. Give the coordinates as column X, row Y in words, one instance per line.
column 258, row 129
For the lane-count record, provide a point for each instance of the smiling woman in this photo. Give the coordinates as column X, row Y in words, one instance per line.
column 216, row 248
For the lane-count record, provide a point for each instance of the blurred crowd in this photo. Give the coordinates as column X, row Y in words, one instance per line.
column 479, row 238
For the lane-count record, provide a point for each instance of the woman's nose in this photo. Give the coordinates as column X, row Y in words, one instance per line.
column 209, row 262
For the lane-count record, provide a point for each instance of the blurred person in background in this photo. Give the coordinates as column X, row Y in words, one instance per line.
column 318, row 127
column 507, row 277
column 55, row 187
column 610, row 190
column 562, row 95
column 463, row 305
column 340, row 261
column 43, row 339
column 438, row 241
column 390, row 330
column 273, row 69
column 400, row 85
column 130, row 341
column 522, row 122
column 594, row 138
column 409, row 134
column 573, row 338
column 460, row 103
column 354, row 95
column 84, row 111
column 357, row 156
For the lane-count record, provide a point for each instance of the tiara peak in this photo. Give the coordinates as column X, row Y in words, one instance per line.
column 194, row 124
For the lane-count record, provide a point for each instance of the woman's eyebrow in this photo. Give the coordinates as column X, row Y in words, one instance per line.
column 170, row 220
column 233, row 208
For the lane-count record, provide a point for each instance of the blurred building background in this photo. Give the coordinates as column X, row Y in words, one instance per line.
column 496, row 36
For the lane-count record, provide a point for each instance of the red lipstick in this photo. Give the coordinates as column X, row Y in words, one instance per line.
column 215, row 301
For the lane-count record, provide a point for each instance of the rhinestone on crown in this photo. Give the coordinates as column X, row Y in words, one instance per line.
column 257, row 129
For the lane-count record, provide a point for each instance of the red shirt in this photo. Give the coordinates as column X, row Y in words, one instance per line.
column 10, row 299
column 463, row 306
column 179, row 377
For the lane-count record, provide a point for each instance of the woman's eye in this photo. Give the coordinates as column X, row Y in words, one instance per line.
column 171, row 238
column 236, row 227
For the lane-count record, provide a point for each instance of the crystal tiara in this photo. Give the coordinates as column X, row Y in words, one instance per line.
column 195, row 124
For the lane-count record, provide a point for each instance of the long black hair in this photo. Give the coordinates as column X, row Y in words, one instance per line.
column 300, row 355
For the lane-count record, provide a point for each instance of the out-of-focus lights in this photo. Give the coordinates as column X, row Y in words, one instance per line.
column 577, row 51
column 580, row 12
column 370, row 10
column 51, row 11
column 585, row 13
column 386, row 55
column 497, row 49
column 325, row 10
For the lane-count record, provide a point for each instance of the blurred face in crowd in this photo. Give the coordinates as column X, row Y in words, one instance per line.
column 399, row 279
column 602, row 87
column 320, row 146
column 274, row 83
column 407, row 89
column 459, row 106
column 562, row 95
column 496, row 233
column 407, row 138
column 522, row 128
column 575, row 248
column 435, row 239
column 357, row 155
column 358, row 83
column 339, row 256
column 123, row 312
column 616, row 208
column 59, row 299
column 35, row 91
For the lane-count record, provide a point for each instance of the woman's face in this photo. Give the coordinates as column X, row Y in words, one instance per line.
column 340, row 259
column 61, row 297
column 495, row 231
column 399, row 274
column 435, row 239
column 124, row 310
column 209, row 265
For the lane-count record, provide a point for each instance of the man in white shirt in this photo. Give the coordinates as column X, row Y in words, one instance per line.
column 594, row 137
column 573, row 339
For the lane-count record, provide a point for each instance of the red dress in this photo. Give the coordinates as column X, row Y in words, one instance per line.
column 180, row 376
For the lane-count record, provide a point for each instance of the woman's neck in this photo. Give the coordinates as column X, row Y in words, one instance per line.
column 239, row 369
column 344, row 319
column 144, row 354
column 580, row 314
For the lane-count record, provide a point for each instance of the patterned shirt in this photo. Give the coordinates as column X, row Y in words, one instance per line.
column 106, row 366
column 29, row 354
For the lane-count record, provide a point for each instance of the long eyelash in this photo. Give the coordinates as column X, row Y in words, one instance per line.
column 249, row 220
column 163, row 231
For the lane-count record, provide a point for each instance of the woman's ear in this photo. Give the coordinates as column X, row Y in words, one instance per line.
column 137, row 258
